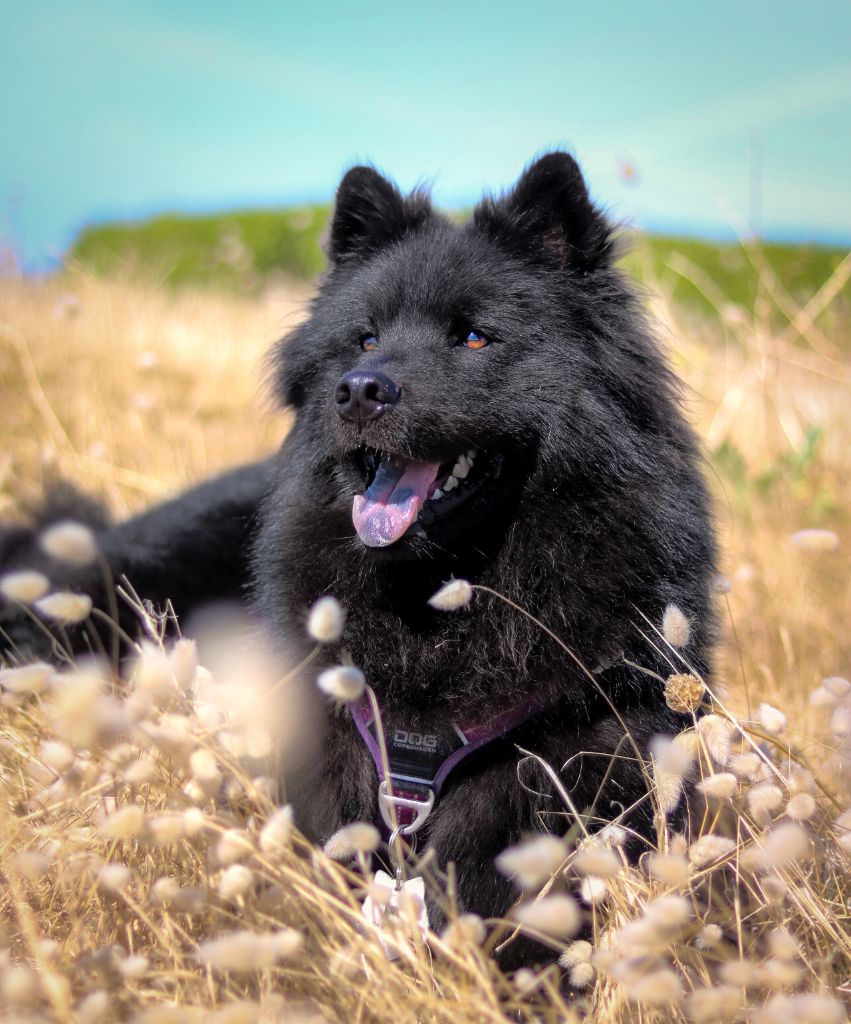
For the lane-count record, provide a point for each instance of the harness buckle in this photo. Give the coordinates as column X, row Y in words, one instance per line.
column 421, row 809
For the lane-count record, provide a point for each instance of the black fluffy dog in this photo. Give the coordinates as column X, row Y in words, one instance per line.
column 482, row 401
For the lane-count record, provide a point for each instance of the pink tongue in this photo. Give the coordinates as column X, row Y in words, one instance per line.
column 391, row 504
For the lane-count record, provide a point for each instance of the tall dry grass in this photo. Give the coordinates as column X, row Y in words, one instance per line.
column 146, row 871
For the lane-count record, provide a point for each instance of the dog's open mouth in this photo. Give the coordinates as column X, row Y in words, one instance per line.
column 397, row 489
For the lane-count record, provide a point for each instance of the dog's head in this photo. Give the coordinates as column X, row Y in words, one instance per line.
column 444, row 363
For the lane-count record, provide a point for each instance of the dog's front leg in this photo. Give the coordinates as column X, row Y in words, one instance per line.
column 189, row 551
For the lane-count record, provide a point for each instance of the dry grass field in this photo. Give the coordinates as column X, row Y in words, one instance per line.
column 146, row 873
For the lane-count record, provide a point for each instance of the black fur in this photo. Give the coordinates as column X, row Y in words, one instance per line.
column 597, row 520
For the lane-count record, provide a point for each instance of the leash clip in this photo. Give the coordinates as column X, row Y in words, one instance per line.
column 421, row 809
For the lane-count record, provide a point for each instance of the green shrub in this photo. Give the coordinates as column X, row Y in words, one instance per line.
column 244, row 250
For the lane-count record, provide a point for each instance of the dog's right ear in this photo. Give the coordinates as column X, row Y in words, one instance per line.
column 369, row 214
column 548, row 217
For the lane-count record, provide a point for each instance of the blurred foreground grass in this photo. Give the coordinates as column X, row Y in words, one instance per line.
column 133, row 391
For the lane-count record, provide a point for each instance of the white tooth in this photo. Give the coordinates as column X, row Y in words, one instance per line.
column 438, row 494
column 471, row 454
column 461, row 468
column 450, row 484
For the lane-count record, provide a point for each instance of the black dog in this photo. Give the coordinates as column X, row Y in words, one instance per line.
column 481, row 401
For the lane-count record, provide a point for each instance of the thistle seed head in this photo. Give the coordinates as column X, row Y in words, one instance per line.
column 684, row 692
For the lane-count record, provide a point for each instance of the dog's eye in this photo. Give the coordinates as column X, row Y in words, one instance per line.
column 476, row 340
column 368, row 342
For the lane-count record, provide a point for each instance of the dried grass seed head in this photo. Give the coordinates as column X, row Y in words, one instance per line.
column 451, row 596
column 593, row 891
column 669, row 868
column 721, row 786
column 26, row 679
column 710, row 848
column 132, row 968
column 70, row 542
column 25, row 586
column 553, row 915
column 801, row 807
column 343, row 683
column 114, row 877
column 784, row 845
column 64, row 607
column 783, row 944
column 358, row 837
column 675, row 754
column 126, row 823
column 276, row 833
column 661, row 987
column 746, row 766
column 326, row 620
column 578, row 952
column 56, row 755
column 668, row 788
column 762, row 799
column 717, row 736
column 234, row 845
column 246, row 952
column 466, row 929
column 840, row 724
column 709, row 936
column 675, row 626
column 597, row 860
column 533, row 861
column 93, row 1008
column 709, row 1005
column 837, row 687
column 771, row 718
column 741, row 973
column 582, row 975
column 815, row 541
column 205, row 769
column 805, row 1008
column 235, row 881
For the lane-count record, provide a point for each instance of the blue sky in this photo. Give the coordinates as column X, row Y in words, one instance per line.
column 112, row 108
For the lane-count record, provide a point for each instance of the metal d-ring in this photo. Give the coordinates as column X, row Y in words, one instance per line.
column 421, row 809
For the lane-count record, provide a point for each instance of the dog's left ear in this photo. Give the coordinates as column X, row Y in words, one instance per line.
column 369, row 214
column 549, row 218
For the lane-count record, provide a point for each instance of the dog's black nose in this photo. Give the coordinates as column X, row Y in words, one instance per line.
column 364, row 395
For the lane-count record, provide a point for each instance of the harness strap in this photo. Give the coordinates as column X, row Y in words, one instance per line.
column 422, row 754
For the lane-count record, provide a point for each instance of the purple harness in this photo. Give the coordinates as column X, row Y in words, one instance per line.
column 421, row 757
